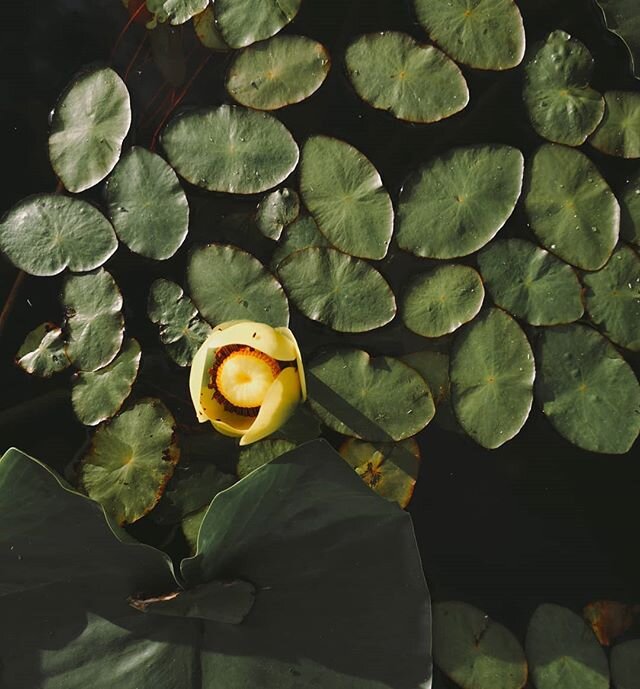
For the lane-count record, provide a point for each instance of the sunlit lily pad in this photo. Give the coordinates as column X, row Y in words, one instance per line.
column 619, row 131
column 625, row 665
column 344, row 193
column 587, row 390
column 88, row 127
column 146, row 204
column 530, row 283
column 622, row 19
column 230, row 149
column 278, row 72
column 303, row 233
column 46, row 233
column 341, row 291
column 204, row 24
column 42, row 352
column 561, row 104
column 277, row 210
column 457, row 202
column 486, row 34
column 571, row 208
column 414, row 82
column 630, row 210
column 264, row 451
column 176, row 11
column 242, row 22
column 377, row 399
column 492, row 372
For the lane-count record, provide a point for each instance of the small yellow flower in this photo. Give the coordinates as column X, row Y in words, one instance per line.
column 247, row 378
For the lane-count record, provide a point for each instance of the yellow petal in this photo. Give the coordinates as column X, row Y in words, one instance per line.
column 285, row 332
column 260, row 336
column 199, row 378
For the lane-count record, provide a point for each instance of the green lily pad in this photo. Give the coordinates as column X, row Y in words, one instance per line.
column 230, row 149
column 625, row 665
column 343, row 192
column 176, row 11
column 457, row 202
column 89, row 124
column 258, row 454
column 242, row 22
column 619, row 131
column 530, row 283
column 130, row 461
column 46, row 233
column 277, row 210
column 303, row 233
column 563, row 651
column 474, row 651
column 442, row 299
column 228, row 284
column 94, row 326
column 622, row 19
column 338, row 290
column 99, row 395
column 204, row 25
column 302, row 426
column 378, row 399
column 571, row 208
column 278, row 72
column 146, row 204
column 492, row 372
column 485, row 34
column 414, row 82
column 630, row 210
column 42, row 352
column 587, row 390
column 562, row 106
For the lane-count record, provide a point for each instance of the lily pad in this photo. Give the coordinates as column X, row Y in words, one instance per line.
column 474, row 651
column 562, row 106
column 571, row 208
column 630, row 210
column 89, row 124
column 228, row 284
column 377, row 399
column 99, row 395
column 338, row 290
column 230, row 149
column 492, row 372
column 414, row 82
column 46, row 233
column 343, row 192
column 277, row 210
column 530, row 283
column 254, row 456
column 587, row 390
column 485, row 34
column 457, row 202
column 146, row 204
column 442, row 299
column 625, row 665
column 278, row 72
column 204, row 24
column 94, row 326
column 563, row 651
column 303, row 233
column 242, row 22
column 42, row 353
column 621, row 18
column 619, row 131
column 176, row 11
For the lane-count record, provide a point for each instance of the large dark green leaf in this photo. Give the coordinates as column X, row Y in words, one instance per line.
column 242, row 22
column 619, row 131
column 622, row 18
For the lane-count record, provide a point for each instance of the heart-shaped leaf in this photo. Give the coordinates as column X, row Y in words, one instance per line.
column 619, row 131
column 277, row 210
column 242, row 22
column 42, row 352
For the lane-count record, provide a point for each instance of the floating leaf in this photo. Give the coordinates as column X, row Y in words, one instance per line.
column 608, row 619
column 46, row 233
column 277, row 210
column 344, row 193
column 303, row 233
column 619, row 131
column 242, row 22
column 621, row 18
column 457, row 202
column 530, row 283
column 630, row 211
column 492, row 374
column 414, row 82
column 264, row 451
column 176, row 11
column 587, row 390
column 204, row 24
column 42, row 353
column 625, row 665
column 89, row 124
column 341, row 291
column 230, row 149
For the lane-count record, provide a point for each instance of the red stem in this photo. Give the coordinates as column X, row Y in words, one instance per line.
column 135, row 56
column 132, row 19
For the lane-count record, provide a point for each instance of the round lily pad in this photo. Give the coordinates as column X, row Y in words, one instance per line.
column 563, row 651
column 630, row 210
column 99, row 395
column 46, row 233
column 492, row 372
column 176, row 11
column 341, row 291
column 303, row 233
column 277, row 210
column 230, row 149
column 344, row 193
column 204, row 24
column 619, row 131
column 587, row 390
column 474, row 651
column 42, row 352
column 378, row 399
column 130, row 460
column 625, row 665
column 562, row 106
column 485, row 34
column 440, row 300
column 228, row 284
column 242, row 22
column 89, row 124
column 457, row 202
column 530, row 283
column 572, row 211
column 414, row 82
column 278, row 72
column 254, row 456
column 146, row 204
column 94, row 326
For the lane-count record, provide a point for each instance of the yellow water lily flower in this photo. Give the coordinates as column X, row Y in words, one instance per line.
column 247, row 379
